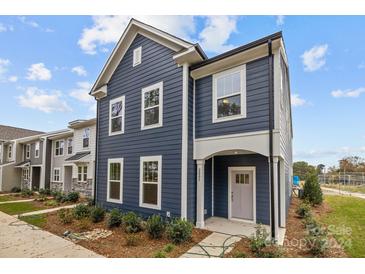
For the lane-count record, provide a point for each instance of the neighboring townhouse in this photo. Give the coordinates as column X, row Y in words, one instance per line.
column 183, row 135
column 10, row 152
column 73, row 158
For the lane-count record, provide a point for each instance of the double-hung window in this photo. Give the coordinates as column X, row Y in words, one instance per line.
column 86, row 138
column 36, row 150
column 59, row 146
column 69, row 145
column 56, row 174
column 27, row 151
column 82, row 173
column 116, row 115
column 26, row 173
column 115, row 180
column 150, row 182
column 229, row 94
column 152, row 106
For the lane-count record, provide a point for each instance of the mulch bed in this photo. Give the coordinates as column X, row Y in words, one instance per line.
column 115, row 245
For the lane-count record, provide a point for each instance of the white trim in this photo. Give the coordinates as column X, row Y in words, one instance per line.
column 184, row 145
column 242, row 168
column 282, row 194
column 242, row 93
column 111, row 102
column 159, row 181
column 276, row 197
column 59, row 174
column 35, row 149
column 213, row 186
column 27, row 151
column 158, row 86
column 200, row 178
column 121, row 162
column 277, row 88
column 136, row 61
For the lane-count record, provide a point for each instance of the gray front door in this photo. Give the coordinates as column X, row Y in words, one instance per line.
column 242, row 182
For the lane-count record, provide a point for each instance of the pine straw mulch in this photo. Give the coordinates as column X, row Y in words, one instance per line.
column 115, row 245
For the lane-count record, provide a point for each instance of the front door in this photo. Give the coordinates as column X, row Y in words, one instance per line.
column 242, row 193
column 36, row 177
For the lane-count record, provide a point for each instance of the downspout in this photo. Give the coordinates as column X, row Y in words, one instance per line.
column 96, row 149
column 271, row 127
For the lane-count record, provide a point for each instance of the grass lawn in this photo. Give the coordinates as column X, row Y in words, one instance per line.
column 358, row 189
column 347, row 212
column 19, row 208
column 6, row 198
column 36, row 220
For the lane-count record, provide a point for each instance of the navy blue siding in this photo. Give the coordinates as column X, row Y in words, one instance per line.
column 257, row 74
column 221, row 164
column 208, row 188
column 157, row 65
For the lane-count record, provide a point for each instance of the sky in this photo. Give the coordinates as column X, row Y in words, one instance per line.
column 49, row 63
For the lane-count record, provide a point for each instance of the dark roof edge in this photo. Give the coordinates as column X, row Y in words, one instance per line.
column 259, row 42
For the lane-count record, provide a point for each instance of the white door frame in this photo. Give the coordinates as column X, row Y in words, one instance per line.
column 63, row 173
column 242, row 168
column 31, row 175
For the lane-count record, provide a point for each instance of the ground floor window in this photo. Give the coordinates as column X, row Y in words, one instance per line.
column 26, row 173
column 82, row 173
column 56, row 174
column 150, row 182
column 115, row 180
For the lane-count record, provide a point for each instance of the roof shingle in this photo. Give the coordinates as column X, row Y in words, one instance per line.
column 11, row 133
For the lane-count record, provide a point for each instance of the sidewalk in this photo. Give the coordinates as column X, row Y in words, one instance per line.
column 342, row 192
column 21, row 240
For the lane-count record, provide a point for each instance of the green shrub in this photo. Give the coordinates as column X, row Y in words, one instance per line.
column 90, row 202
column 73, row 197
column 26, row 192
column 155, row 226
column 271, row 251
column 132, row 222
column 15, row 190
column 179, row 231
column 51, row 203
column 159, row 254
column 97, row 214
column 259, row 240
column 60, row 197
column 81, row 211
column 115, row 218
column 168, row 248
column 239, row 254
column 304, row 210
column 317, row 245
column 44, row 192
column 65, row 216
column 132, row 240
column 312, row 190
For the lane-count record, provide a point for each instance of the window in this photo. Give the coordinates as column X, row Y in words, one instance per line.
column 152, row 102
column 137, row 56
column 36, row 150
column 150, row 182
column 86, row 138
column 69, row 146
column 82, row 173
column 243, row 178
column 10, row 152
column 59, row 145
column 56, row 174
column 26, row 173
column 27, row 151
column 229, row 94
column 115, row 180
column 116, row 115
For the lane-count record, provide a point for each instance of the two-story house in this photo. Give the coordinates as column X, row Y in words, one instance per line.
column 183, row 135
column 73, row 158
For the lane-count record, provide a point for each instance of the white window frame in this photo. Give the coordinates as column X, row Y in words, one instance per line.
column 83, row 137
column 158, row 85
column 27, row 151
column 72, row 146
column 10, row 152
column 83, row 173
column 242, row 70
column 55, row 148
column 121, row 162
column 136, row 61
column 26, row 173
column 113, row 101
column 141, row 182
column 54, row 175
column 36, row 149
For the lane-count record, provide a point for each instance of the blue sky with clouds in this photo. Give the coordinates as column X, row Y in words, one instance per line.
column 48, row 63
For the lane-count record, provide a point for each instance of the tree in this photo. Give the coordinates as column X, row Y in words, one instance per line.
column 312, row 190
column 352, row 164
column 320, row 168
column 303, row 170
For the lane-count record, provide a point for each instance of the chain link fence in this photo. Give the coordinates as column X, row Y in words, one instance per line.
column 347, row 181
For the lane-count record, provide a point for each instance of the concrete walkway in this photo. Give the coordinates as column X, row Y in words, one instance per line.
column 16, row 201
column 21, row 240
column 44, row 211
column 332, row 191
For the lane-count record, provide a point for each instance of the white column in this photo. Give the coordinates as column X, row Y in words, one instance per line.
column 276, row 197
column 200, row 194
column 283, row 196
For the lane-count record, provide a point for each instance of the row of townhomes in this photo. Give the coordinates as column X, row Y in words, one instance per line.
column 63, row 160
column 176, row 134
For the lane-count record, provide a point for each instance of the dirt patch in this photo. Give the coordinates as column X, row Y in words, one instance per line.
column 115, row 245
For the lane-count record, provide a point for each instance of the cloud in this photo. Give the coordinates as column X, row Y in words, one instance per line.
column 39, row 72
column 361, row 66
column 280, row 20
column 35, row 98
column 323, row 153
column 314, row 58
column 4, row 28
column 4, row 64
column 348, row 93
column 79, row 70
column 13, row 78
column 296, row 101
column 108, row 29
column 33, row 24
column 81, row 92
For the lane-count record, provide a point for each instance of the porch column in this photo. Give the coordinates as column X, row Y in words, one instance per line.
column 200, row 194
column 276, row 197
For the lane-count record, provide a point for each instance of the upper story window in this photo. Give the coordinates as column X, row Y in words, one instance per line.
column 69, row 146
column 152, row 106
column 59, row 146
column 27, row 151
column 36, row 150
column 116, row 115
column 10, row 152
column 137, row 56
column 229, row 94
column 86, row 138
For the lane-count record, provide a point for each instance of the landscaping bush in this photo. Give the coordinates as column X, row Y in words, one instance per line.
column 44, row 192
column 155, row 226
column 90, row 202
column 115, row 218
column 317, row 245
column 168, row 248
column 60, row 197
column 84, row 224
column 97, row 214
column 15, row 190
column 132, row 222
column 259, row 240
column 26, row 192
column 312, row 190
column 73, row 197
column 271, row 251
column 81, row 211
column 51, row 203
column 304, row 210
column 65, row 216
column 132, row 240
column 179, row 231
column 159, row 254
column 239, row 254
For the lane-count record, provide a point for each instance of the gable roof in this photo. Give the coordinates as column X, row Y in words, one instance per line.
column 10, row 133
column 136, row 27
